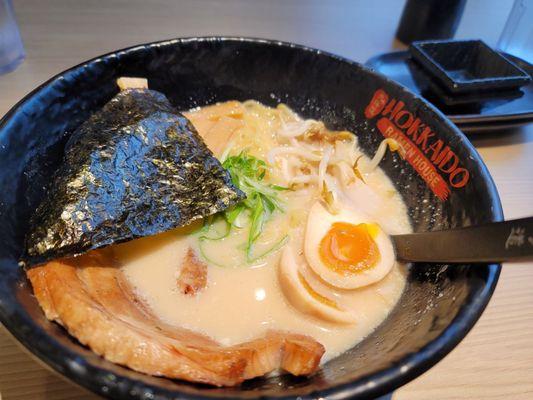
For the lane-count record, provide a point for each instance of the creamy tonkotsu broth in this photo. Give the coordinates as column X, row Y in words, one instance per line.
column 249, row 289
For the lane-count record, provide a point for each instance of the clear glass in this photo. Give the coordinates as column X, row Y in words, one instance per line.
column 517, row 36
column 11, row 47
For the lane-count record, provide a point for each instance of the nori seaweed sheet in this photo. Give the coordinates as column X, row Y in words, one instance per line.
column 135, row 168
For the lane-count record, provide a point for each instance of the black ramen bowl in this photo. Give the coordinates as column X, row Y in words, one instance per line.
column 442, row 180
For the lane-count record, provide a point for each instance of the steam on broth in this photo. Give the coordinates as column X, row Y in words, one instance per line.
column 306, row 253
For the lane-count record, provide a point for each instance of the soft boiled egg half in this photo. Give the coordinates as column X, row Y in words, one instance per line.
column 346, row 249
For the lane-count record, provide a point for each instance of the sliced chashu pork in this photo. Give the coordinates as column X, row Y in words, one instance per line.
column 90, row 297
column 217, row 124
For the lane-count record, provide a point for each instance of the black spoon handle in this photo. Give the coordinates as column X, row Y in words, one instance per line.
column 494, row 242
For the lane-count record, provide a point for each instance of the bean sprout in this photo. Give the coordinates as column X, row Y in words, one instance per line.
column 323, row 166
column 299, row 179
column 295, row 129
column 282, row 150
column 314, row 158
column 392, row 144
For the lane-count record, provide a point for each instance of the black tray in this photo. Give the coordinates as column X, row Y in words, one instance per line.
column 493, row 126
column 400, row 67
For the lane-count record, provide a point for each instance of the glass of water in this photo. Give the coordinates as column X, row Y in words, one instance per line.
column 11, row 47
column 517, row 36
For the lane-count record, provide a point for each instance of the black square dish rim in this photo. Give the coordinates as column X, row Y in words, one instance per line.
column 78, row 369
column 436, row 69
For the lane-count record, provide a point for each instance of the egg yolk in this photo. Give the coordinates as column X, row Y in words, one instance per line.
column 348, row 248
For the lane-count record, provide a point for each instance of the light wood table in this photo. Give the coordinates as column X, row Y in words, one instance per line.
column 495, row 361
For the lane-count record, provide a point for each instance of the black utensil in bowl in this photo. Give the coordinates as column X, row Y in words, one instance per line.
column 442, row 180
column 492, row 242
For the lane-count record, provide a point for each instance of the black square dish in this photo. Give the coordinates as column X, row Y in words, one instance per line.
column 468, row 65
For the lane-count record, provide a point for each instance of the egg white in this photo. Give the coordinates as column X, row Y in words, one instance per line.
column 299, row 296
column 319, row 222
